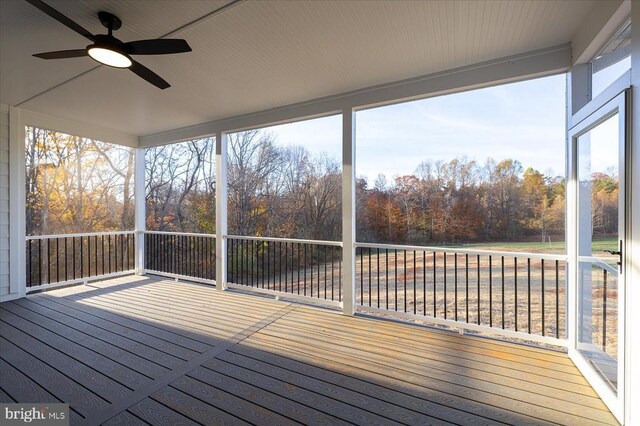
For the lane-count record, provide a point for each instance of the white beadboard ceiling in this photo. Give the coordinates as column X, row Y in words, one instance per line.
column 257, row 55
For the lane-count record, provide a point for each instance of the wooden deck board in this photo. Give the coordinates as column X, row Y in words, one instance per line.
column 155, row 413
column 61, row 386
column 140, row 350
column 142, row 327
column 125, row 419
column 144, row 338
column 514, row 375
column 101, row 363
column 131, row 360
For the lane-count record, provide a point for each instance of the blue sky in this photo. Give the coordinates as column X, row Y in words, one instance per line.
column 524, row 121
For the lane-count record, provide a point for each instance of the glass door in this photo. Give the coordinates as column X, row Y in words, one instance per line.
column 598, row 147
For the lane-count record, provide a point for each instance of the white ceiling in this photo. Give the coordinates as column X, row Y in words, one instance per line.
column 257, row 55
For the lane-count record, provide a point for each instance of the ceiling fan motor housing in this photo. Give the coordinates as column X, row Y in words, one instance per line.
column 110, row 21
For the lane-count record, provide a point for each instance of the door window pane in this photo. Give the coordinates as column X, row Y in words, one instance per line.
column 598, row 200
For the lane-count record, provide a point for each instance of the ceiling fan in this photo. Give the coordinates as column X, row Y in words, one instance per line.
column 108, row 50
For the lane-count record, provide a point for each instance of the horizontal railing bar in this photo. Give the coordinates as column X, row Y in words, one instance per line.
column 283, row 295
column 286, row 240
column 79, row 281
column 465, row 251
column 178, row 277
column 599, row 263
column 88, row 234
column 189, row 234
column 458, row 325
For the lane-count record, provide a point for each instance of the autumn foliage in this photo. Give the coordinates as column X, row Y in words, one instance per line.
column 81, row 185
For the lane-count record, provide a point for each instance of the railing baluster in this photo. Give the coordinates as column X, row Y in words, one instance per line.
column 386, row 285
column 478, row 301
column 101, row 252
column 557, row 300
column 444, row 254
column 604, row 311
column 378, row 278
column 324, row 251
column 299, row 260
column 89, row 255
column 280, row 266
column 529, row 295
column 95, row 252
column 434, row 285
column 305, row 270
column 361, row 275
column 466, row 283
column 318, row 268
column 48, row 260
column 404, row 257
column 286, row 267
column 490, row 291
column 109, row 244
column 58, row 260
column 542, row 300
column 395, row 252
column 424, row 283
column 81, row 257
column 122, row 254
column 515, row 294
column 115, row 251
column 415, row 293
column 333, row 269
column 503, row 301
column 369, row 252
column 74, row 257
column 455, row 281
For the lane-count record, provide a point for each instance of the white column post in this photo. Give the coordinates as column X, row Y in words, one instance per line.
column 348, row 211
column 140, row 209
column 17, row 210
column 578, row 95
column 221, row 211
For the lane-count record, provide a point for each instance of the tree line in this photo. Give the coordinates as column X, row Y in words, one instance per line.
column 76, row 184
column 80, row 185
column 462, row 201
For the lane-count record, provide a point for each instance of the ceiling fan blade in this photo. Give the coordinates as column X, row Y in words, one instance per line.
column 149, row 75
column 62, row 54
column 61, row 18
column 156, row 47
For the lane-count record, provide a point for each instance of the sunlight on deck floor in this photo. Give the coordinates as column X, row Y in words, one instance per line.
column 139, row 350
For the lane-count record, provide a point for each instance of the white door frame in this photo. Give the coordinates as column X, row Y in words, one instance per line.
column 617, row 104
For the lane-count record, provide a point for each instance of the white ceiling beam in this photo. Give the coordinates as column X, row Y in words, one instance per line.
column 528, row 65
column 601, row 24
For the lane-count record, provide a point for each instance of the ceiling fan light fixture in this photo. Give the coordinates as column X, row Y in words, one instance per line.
column 109, row 55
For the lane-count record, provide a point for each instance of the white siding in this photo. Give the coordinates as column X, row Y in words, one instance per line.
column 4, row 200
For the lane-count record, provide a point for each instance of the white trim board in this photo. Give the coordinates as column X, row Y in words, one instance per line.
column 77, row 128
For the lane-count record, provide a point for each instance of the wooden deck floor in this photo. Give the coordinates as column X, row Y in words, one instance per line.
column 143, row 350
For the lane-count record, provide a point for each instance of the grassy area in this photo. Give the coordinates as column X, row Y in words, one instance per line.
column 599, row 244
column 531, row 247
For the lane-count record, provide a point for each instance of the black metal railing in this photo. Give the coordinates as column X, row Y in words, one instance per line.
column 300, row 267
column 181, row 254
column 52, row 259
column 520, row 292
